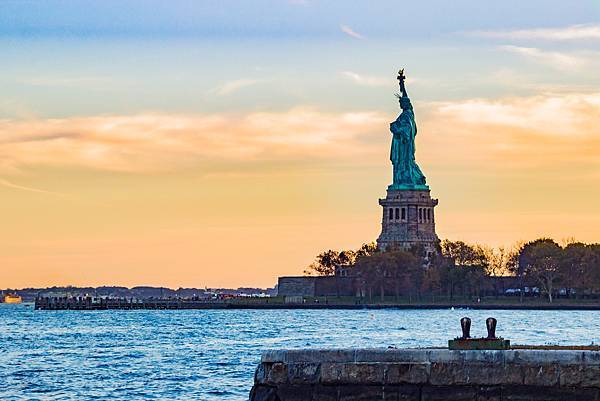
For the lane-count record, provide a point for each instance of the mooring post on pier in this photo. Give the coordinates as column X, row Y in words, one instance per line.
column 491, row 342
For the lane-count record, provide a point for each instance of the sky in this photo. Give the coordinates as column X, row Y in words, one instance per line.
column 226, row 143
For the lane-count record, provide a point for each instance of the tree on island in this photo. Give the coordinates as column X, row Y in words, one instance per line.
column 578, row 265
column 464, row 266
column 326, row 262
column 378, row 269
column 594, row 263
column 541, row 260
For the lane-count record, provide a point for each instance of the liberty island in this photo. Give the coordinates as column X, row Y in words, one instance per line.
column 406, row 264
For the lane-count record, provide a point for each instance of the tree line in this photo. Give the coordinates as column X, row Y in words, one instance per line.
column 537, row 268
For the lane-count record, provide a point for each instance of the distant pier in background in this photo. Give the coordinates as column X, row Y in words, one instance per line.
column 92, row 303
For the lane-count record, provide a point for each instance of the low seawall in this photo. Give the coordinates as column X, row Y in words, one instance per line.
column 89, row 303
column 427, row 375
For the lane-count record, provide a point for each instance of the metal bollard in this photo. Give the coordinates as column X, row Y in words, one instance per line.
column 465, row 324
column 491, row 323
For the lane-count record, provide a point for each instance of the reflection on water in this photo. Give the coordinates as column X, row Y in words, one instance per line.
column 211, row 355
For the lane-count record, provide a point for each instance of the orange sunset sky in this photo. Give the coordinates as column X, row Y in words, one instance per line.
column 193, row 145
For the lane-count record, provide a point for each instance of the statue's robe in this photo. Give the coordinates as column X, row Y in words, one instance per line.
column 402, row 154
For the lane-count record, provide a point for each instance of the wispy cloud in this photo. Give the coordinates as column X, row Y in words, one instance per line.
column 561, row 61
column 510, row 127
column 571, row 115
column 9, row 184
column 553, row 137
column 351, row 32
column 366, row 80
column 233, row 86
column 162, row 142
column 574, row 32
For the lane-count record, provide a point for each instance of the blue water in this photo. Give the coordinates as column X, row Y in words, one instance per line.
column 212, row 354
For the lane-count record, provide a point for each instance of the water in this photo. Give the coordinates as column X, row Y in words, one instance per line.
column 211, row 354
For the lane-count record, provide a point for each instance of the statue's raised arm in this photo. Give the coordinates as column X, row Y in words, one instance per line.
column 401, row 78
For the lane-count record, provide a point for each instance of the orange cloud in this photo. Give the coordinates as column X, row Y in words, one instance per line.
column 546, row 130
column 165, row 142
column 571, row 114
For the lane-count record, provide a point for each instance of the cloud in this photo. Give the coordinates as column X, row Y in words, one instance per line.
column 548, row 115
column 574, row 32
column 552, row 130
column 545, row 137
column 350, row 32
column 557, row 60
column 9, row 184
column 233, row 86
column 162, row 142
column 365, row 80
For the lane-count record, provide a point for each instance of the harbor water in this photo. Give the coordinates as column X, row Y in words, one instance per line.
column 212, row 354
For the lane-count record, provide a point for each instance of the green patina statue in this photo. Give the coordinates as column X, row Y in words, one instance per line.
column 407, row 174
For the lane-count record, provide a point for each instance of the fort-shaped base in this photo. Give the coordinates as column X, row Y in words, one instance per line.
column 408, row 219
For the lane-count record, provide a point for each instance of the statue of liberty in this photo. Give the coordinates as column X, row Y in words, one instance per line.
column 407, row 174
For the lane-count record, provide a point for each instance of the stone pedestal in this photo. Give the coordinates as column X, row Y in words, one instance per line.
column 408, row 219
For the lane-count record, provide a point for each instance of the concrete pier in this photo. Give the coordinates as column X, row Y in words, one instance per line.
column 427, row 375
column 89, row 303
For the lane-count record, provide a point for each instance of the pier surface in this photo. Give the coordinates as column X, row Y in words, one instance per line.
column 427, row 375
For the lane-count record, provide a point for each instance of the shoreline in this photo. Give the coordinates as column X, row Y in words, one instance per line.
column 180, row 305
column 421, row 306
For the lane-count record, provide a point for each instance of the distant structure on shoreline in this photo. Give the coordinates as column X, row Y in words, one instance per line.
column 408, row 209
column 140, row 292
column 11, row 298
